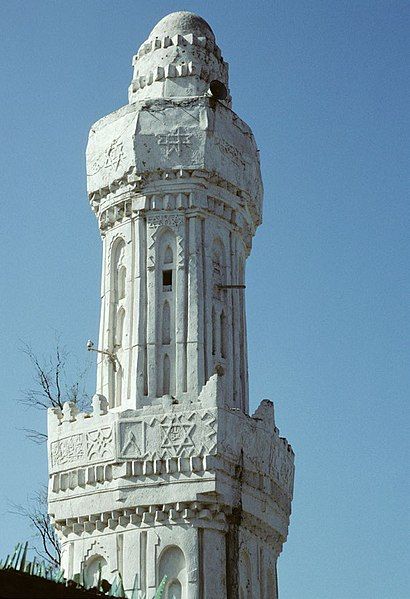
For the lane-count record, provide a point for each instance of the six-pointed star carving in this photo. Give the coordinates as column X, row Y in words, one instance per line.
column 176, row 435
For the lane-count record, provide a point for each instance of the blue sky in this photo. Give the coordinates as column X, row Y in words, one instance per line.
column 325, row 89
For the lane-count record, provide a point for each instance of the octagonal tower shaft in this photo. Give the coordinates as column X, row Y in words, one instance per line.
column 176, row 185
column 175, row 244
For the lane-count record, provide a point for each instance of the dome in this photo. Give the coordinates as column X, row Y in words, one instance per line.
column 179, row 59
column 181, row 22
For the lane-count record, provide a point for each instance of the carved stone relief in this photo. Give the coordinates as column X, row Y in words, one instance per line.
column 67, row 450
column 168, row 435
column 100, row 444
column 174, row 142
column 114, row 155
column 176, row 436
column 165, row 220
column 132, row 439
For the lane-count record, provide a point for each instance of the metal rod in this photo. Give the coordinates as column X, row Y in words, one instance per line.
column 230, row 286
column 112, row 357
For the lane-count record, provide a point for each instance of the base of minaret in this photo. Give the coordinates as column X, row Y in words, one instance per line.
column 201, row 549
column 197, row 492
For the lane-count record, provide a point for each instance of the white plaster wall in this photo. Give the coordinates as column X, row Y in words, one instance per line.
column 157, row 465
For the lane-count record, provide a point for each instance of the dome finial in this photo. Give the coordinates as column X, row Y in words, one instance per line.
column 181, row 22
column 180, row 58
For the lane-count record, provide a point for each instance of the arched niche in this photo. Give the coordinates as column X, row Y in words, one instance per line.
column 118, row 269
column 95, row 569
column 173, row 565
column 118, row 278
column 168, row 255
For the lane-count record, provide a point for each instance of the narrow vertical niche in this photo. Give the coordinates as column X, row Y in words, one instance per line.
column 242, row 335
column 166, row 324
column 167, row 269
column 118, row 385
column 143, row 561
column 213, row 331
column 166, row 373
column 119, row 328
column 223, row 334
column 168, row 256
column 145, row 371
column 122, row 275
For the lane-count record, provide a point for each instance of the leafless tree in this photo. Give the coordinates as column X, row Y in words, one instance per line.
column 50, row 388
column 46, row 544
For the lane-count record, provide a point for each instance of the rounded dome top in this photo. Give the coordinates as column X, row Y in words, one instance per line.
column 181, row 22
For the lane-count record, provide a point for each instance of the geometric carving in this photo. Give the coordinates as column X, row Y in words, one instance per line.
column 165, row 220
column 132, row 438
column 176, row 435
column 100, row 444
column 111, row 158
column 167, row 436
column 114, row 154
column 174, row 142
column 208, row 433
column 67, row 450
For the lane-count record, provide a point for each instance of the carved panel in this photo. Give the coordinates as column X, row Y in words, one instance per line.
column 209, row 437
column 114, row 154
column 132, row 443
column 100, row 444
column 176, row 436
column 67, row 450
column 183, row 434
column 165, row 220
column 174, row 142
column 111, row 158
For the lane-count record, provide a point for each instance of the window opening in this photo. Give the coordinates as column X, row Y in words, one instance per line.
column 167, row 280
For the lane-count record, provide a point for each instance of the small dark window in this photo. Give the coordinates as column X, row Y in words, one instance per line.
column 167, row 280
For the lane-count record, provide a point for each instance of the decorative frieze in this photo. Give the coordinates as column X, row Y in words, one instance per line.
column 174, row 221
column 196, row 512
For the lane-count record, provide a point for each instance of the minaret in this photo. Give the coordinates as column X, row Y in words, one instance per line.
column 169, row 474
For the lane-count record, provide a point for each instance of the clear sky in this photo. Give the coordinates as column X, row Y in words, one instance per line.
column 324, row 87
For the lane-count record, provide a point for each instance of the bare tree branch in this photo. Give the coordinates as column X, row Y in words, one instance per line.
column 34, row 435
column 39, row 520
column 50, row 387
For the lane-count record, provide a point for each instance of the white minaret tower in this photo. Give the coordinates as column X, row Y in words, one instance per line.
column 169, row 474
